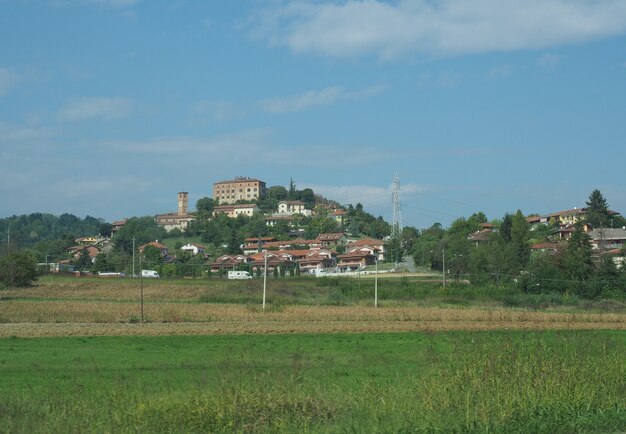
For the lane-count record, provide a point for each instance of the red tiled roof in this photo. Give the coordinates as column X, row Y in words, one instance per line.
column 355, row 254
column 330, row 237
column 257, row 239
column 544, row 246
column 155, row 244
column 366, row 242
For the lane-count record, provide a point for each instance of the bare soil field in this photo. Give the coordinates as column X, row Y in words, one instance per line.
column 49, row 318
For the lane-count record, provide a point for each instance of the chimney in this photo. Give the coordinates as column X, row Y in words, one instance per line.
column 183, row 203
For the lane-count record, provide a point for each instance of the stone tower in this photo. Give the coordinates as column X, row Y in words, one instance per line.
column 183, row 203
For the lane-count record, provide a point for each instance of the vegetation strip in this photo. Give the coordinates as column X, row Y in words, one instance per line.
column 461, row 381
column 264, row 327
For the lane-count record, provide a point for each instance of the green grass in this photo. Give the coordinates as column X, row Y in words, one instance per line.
column 341, row 291
column 552, row 382
column 171, row 242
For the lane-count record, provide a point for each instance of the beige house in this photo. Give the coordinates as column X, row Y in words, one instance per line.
column 233, row 211
column 178, row 220
column 240, row 188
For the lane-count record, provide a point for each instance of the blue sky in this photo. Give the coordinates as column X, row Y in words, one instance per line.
column 111, row 107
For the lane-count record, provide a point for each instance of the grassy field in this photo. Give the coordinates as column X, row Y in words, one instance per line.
column 99, row 307
column 74, row 357
column 552, row 382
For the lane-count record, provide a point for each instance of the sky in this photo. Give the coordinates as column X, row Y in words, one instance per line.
column 109, row 108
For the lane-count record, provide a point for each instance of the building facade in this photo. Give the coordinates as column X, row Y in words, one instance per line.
column 241, row 188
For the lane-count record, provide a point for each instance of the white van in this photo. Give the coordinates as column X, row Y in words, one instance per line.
column 239, row 275
column 150, row 274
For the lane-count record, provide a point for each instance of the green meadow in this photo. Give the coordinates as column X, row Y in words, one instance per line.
column 548, row 381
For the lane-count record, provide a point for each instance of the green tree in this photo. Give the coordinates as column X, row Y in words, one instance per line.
column 83, row 262
column 490, row 261
column 205, row 205
column 520, row 241
column 101, row 263
column 151, row 257
column 144, row 229
column 18, row 269
column 576, row 261
column 598, row 215
column 427, row 247
column 320, row 225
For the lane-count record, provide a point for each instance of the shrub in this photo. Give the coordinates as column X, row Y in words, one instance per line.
column 18, row 269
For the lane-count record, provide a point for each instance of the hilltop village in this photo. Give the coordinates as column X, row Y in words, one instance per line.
column 247, row 225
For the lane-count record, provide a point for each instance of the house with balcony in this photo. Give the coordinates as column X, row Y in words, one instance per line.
column 333, row 240
column 194, row 249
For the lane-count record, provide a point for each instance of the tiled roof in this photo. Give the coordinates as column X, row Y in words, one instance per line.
column 242, row 179
column 608, row 234
column 155, row 244
column 545, row 246
column 366, row 242
column 330, row 237
column 355, row 254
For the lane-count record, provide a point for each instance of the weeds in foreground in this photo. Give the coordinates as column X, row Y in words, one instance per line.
column 542, row 383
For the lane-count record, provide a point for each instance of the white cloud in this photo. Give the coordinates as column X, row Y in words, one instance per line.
column 8, row 79
column 216, row 111
column 316, row 98
column 104, row 3
column 96, row 108
column 548, row 60
column 368, row 195
column 446, row 27
column 10, row 134
column 502, row 71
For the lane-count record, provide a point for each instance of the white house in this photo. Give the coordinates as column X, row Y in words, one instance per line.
column 193, row 248
column 292, row 207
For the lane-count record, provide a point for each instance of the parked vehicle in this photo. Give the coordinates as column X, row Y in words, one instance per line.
column 110, row 274
column 150, row 274
column 239, row 275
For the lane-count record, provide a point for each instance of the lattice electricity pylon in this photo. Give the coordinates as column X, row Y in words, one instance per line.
column 396, row 225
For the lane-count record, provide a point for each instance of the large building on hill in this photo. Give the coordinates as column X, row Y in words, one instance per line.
column 240, row 188
column 178, row 220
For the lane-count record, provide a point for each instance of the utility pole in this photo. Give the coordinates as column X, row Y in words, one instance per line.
column 141, row 286
column 133, row 257
column 264, row 277
column 376, row 285
column 396, row 225
column 444, row 266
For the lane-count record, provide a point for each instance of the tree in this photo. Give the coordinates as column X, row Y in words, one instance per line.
column 205, row 206
column 426, row 248
column 576, row 261
column 83, row 262
column 292, row 189
column 152, row 256
column 490, row 260
column 18, row 269
column 598, row 215
column 520, row 237
column 144, row 229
